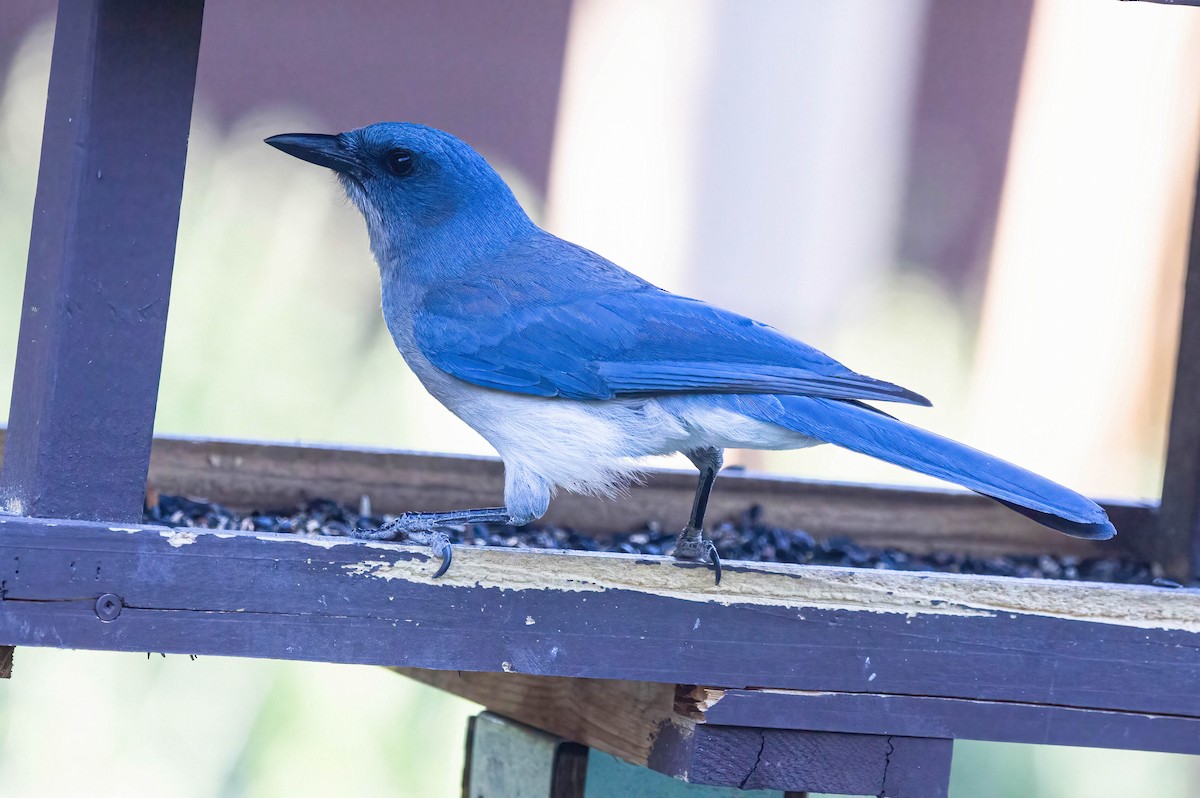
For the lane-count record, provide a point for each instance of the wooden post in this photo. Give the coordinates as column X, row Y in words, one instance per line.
column 100, row 258
column 507, row 759
column 1176, row 543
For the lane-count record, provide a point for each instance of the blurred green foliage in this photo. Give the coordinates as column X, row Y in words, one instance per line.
column 103, row 725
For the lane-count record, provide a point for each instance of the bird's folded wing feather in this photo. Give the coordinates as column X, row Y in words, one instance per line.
column 627, row 343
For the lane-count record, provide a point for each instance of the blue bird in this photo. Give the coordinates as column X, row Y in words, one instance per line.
column 574, row 369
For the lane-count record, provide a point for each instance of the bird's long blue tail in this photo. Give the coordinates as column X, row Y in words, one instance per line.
column 868, row 431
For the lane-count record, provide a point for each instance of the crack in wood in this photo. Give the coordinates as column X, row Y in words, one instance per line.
column 887, row 764
column 762, row 744
column 31, row 600
column 201, row 610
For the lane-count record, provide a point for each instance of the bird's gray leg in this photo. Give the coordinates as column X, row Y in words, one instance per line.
column 424, row 528
column 691, row 543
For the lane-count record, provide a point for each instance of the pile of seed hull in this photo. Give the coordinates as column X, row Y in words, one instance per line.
column 747, row 538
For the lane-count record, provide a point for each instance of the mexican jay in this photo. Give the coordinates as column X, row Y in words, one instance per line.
column 574, row 369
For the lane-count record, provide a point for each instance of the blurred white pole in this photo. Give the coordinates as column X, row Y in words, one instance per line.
column 622, row 177
column 1070, row 368
column 747, row 153
column 750, row 154
column 802, row 157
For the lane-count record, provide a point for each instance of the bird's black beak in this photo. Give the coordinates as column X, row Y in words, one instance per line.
column 318, row 148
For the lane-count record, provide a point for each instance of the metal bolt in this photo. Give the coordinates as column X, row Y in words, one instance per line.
column 108, row 607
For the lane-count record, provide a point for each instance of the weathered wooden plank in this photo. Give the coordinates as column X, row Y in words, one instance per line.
column 100, row 258
column 621, row 718
column 960, row 719
column 602, row 616
column 1175, row 539
column 270, row 476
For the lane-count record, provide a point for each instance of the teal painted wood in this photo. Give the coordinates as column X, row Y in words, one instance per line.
column 609, row 777
column 507, row 759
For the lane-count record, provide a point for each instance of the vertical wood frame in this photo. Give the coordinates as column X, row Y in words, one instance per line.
column 100, row 257
column 1176, row 542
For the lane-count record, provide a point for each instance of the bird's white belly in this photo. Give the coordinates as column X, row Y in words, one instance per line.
column 593, row 447
column 582, row 446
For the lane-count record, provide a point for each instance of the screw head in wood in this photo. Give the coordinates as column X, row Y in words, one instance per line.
column 108, row 607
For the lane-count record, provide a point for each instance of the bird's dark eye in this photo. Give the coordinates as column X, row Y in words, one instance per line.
column 400, row 162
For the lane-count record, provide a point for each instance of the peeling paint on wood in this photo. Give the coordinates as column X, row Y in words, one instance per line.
column 797, row 587
column 605, row 616
column 179, row 537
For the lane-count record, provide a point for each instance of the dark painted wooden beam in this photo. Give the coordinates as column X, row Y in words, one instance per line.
column 86, row 585
column 626, row 719
column 1175, row 541
column 781, row 759
column 960, row 719
column 100, row 258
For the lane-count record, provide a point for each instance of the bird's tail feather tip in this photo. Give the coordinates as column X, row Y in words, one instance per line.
column 1088, row 530
column 865, row 429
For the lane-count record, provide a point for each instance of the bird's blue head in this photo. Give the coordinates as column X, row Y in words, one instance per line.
column 416, row 186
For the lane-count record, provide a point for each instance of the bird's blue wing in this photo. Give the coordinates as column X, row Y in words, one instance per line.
column 636, row 341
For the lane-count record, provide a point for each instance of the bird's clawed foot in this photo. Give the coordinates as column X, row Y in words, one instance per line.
column 413, row 528
column 440, row 544
column 692, row 545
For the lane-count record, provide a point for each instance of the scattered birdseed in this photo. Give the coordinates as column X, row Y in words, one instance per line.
column 744, row 538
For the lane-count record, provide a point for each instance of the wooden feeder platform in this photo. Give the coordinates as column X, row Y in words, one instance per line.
column 783, row 677
column 640, row 656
